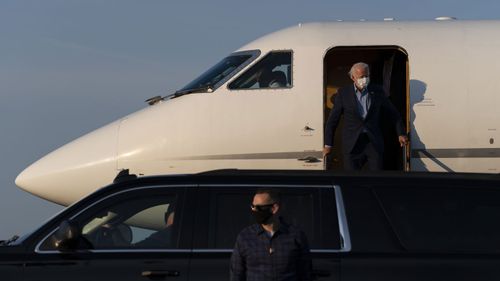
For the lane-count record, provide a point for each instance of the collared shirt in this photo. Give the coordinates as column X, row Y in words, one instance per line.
column 363, row 101
column 284, row 256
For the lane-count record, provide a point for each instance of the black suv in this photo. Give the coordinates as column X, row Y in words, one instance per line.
column 385, row 226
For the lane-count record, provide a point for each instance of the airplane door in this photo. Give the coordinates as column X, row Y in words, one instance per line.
column 142, row 235
column 389, row 70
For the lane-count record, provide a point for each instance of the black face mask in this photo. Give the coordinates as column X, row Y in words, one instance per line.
column 262, row 216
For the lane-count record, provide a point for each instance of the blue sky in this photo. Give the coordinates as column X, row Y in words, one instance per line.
column 68, row 67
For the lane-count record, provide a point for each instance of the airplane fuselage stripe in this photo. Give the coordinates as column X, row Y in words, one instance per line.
column 415, row 153
column 456, row 153
column 250, row 156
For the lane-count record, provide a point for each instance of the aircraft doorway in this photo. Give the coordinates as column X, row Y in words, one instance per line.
column 389, row 69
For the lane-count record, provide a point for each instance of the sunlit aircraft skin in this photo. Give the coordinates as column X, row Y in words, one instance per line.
column 450, row 103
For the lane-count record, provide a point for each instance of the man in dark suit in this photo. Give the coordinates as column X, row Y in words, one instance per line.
column 361, row 105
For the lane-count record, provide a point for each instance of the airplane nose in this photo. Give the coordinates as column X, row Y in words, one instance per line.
column 74, row 170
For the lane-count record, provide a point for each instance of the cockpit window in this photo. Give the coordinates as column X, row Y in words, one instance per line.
column 273, row 71
column 220, row 73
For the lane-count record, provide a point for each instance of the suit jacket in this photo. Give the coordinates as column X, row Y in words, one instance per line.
column 346, row 103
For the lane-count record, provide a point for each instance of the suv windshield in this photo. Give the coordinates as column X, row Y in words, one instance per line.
column 219, row 73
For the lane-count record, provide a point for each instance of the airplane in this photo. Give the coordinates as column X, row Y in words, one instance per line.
column 264, row 106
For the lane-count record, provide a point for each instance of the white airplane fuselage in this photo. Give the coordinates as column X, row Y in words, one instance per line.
column 453, row 122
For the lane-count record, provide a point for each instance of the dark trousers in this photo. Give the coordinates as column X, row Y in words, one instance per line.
column 363, row 153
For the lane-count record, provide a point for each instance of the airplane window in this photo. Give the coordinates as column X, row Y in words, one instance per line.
column 139, row 223
column 273, row 71
column 220, row 73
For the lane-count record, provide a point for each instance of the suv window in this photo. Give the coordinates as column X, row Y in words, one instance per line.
column 133, row 220
column 369, row 230
column 227, row 212
column 440, row 218
column 272, row 71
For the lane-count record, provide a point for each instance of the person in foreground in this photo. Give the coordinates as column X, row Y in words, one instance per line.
column 361, row 105
column 271, row 249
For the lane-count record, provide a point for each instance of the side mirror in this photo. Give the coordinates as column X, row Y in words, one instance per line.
column 67, row 236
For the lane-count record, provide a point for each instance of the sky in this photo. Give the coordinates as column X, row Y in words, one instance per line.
column 68, row 67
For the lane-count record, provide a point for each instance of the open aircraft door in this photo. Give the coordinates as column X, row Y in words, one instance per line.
column 389, row 68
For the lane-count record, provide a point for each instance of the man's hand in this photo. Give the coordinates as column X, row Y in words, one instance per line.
column 403, row 140
column 326, row 150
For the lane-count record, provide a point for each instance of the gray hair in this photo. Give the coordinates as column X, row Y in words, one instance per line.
column 359, row 65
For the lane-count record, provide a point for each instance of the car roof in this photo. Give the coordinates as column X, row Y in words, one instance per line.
column 297, row 177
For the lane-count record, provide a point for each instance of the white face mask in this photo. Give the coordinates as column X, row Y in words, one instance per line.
column 363, row 82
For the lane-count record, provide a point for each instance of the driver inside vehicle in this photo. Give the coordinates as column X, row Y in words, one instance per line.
column 113, row 236
column 162, row 238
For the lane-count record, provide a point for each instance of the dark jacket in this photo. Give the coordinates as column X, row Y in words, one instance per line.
column 345, row 102
column 283, row 257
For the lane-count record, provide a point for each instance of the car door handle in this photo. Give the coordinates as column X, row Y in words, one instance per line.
column 152, row 274
column 320, row 274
